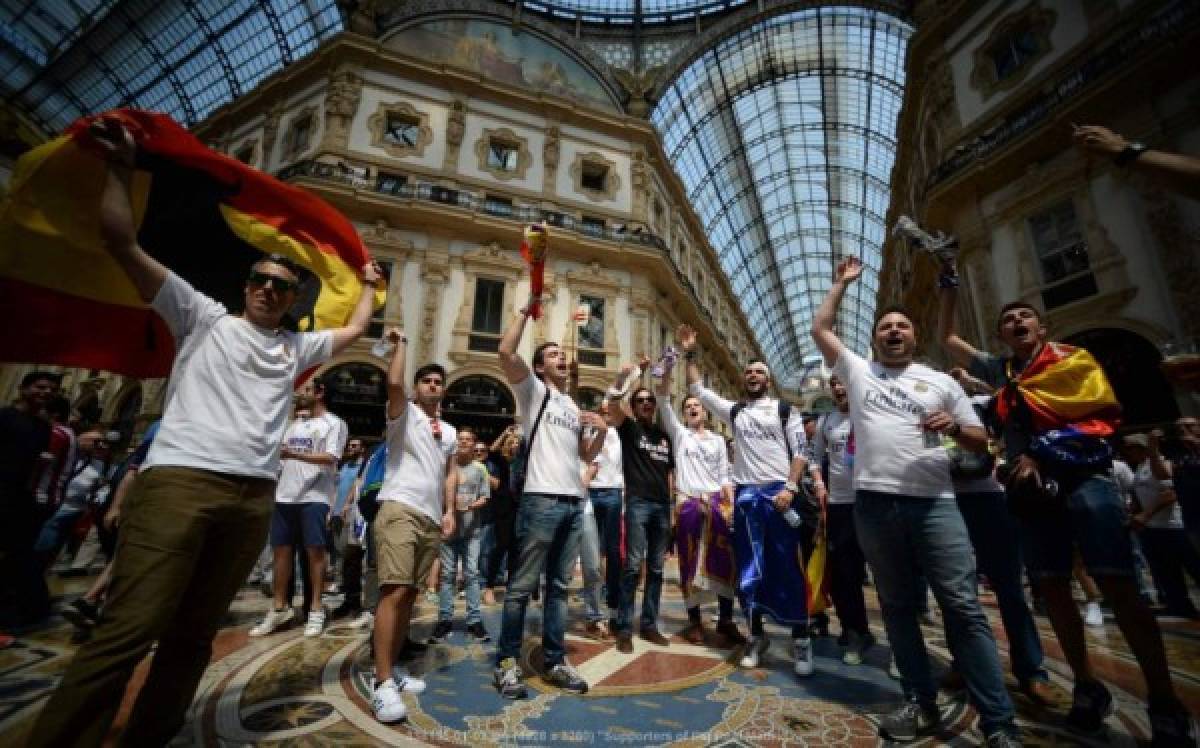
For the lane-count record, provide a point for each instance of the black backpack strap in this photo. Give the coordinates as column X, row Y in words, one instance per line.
column 785, row 413
column 733, row 412
column 537, row 421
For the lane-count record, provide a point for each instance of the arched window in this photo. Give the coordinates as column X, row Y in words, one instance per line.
column 484, row 403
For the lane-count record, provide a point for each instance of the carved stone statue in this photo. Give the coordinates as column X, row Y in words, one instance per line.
column 456, row 123
column 341, row 103
column 550, row 150
column 637, row 86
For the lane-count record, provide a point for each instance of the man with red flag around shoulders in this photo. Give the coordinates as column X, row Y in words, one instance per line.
column 198, row 514
column 1056, row 407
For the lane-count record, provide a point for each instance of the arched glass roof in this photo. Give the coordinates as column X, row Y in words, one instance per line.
column 784, row 136
column 625, row 11
column 60, row 59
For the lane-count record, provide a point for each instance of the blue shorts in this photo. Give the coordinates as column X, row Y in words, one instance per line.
column 1094, row 521
column 299, row 525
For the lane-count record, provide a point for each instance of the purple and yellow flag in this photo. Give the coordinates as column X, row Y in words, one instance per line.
column 201, row 213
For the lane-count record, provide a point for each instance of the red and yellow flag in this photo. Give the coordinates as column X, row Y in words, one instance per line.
column 1065, row 387
column 201, row 213
column 534, row 245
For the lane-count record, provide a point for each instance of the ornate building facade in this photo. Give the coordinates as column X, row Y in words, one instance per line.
column 1110, row 257
column 441, row 137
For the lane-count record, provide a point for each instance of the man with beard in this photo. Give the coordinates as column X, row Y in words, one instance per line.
column 1056, row 407
column 767, row 466
column 906, row 516
column 550, row 509
column 846, row 566
column 199, row 511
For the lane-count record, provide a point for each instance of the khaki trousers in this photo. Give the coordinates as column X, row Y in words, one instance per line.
column 188, row 541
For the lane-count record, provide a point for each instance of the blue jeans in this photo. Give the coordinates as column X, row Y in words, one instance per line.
column 1091, row 517
column 647, row 530
column 995, row 533
column 589, row 559
column 900, row 534
column 606, row 503
column 56, row 531
column 548, row 533
column 465, row 548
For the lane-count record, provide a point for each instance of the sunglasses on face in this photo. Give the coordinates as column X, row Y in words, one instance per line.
column 261, row 280
column 640, row 400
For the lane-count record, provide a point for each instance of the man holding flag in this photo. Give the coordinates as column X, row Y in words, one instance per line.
column 197, row 516
column 1056, row 407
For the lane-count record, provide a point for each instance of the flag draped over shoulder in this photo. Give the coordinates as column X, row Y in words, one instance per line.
column 205, row 215
column 1065, row 388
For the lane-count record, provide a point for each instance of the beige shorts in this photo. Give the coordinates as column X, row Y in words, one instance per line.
column 406, row 543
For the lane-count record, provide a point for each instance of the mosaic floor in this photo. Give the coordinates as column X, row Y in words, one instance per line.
column 285, row 690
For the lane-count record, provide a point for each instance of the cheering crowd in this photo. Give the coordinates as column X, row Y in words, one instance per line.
column 902, row 478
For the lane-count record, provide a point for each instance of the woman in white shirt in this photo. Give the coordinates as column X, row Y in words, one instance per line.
column 703, row 507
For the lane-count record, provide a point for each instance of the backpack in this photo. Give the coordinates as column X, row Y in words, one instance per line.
column 520, row 464
column 785, row 412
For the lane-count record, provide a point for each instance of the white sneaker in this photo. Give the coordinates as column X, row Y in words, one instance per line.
column 364, row 620
column 315, row 623
column 407, row 683
column 1093, row 615
column 755, row 647
column 802, row 651
column 271, row 621
column 387, row 704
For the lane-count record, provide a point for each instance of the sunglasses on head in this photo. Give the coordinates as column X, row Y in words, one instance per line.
column 260, row 280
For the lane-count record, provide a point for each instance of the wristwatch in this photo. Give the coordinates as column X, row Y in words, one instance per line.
column 1130, row 153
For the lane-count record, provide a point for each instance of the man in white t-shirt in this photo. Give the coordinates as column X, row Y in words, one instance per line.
column 199, row 510
column 602, row 534
column 550, row 510
column 846, row 567
column 768, row 465
column 311, row 449
column 1160, row 522
column 416, row 513
column 906, row 516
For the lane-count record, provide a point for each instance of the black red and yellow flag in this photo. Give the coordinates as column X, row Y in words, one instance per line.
column 205, row 215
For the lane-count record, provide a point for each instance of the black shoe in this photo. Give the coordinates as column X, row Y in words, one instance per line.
column 346, row 610
column 479, row 632
column 910, row 721
column 82, row 614
column 440, row 632
column 565, row 677
column 412, row 650
column 1090, row 705
column 1171, row 727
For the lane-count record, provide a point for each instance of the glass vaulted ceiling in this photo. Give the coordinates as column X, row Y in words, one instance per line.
column 784, row 136
column 625, row 11
column 64, row 58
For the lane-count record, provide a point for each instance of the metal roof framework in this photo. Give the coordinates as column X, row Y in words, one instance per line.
column 784, row 136
column 62, row 59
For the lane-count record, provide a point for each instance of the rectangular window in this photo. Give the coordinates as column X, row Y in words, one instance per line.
column 1062, row 255
column 502, row 155
column 486, row 315
column 375, row 329
column 594, row 176
column 498, row 206
column 391, row 184
column 298, row 136
column 591, row 332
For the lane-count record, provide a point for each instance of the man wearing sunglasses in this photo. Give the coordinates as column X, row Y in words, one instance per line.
column 550, row 510
column 649, row 464
column 198, row 513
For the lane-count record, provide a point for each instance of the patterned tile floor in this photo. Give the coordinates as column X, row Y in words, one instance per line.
column 285, row 690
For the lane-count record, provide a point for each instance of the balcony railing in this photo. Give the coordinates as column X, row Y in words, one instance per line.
column 401, row 186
